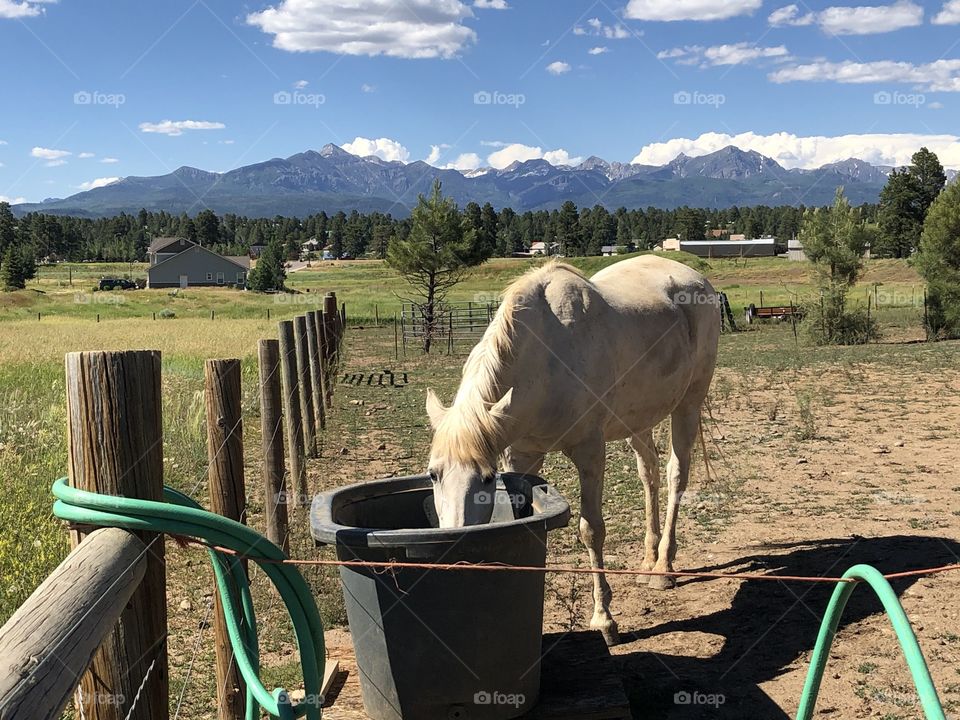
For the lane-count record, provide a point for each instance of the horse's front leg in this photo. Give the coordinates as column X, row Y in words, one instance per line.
column 514, row 460
column 590, row 458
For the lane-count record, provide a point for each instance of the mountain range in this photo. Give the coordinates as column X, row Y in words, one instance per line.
column 332, row 179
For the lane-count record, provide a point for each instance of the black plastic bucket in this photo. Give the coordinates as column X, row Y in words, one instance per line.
column 435, row 644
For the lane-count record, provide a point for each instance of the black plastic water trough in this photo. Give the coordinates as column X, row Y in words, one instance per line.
column 442, row 644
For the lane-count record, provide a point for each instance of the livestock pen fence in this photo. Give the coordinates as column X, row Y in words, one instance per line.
column 96, row 630
column 454, row 325
column 100, row 619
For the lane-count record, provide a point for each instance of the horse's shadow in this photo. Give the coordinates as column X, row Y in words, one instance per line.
column 768, row 628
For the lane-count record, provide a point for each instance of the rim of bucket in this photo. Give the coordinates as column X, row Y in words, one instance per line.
column 550, row 511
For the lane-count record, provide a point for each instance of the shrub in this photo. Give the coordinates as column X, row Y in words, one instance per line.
column 166, row 314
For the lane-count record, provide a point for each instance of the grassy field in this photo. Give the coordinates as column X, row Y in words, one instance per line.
column 32, row 422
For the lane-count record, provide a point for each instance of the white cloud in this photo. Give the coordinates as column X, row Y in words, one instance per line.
column 491, row 4
column 11, row 9
column 861, row 20
column 599, row 50
column 3, row 142
column 435, row 152
column 98, row 183
column 737, row 54
column 794, row 151
column 517, row 152
column 935, row 106
column 494, row 143
column 411, row 29
column 43, row 153
column 596, row 27
column 672, row 10
column 558, row 67
column 465, row 161
column 85, row 155
column 109, row 160
column 949, row 14
column 939, row 76
column 301, row 84
column 383, row 148
column 176, row 127
column 12, row 200
column 367, row 88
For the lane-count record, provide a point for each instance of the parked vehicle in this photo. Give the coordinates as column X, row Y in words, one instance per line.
column 117, row 284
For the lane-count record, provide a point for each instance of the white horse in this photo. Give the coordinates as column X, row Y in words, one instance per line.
column 570, row 363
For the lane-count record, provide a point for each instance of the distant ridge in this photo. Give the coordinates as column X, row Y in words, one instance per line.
column 333, row 179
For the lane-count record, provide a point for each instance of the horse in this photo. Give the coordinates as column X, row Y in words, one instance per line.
column 570, row 363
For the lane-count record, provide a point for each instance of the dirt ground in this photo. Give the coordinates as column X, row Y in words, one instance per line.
column 818, row 466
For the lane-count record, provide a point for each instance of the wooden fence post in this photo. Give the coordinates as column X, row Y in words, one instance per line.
column 316, row 369
column 115, row 447
column 291, row 409
column 330, row 340
column 306, row 389
column 271, row 430
column 228, row 498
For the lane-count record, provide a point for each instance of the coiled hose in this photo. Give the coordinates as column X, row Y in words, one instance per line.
column 180, row 515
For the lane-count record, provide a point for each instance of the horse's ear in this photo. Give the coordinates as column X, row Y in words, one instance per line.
column 501, row 408
column 435, row 408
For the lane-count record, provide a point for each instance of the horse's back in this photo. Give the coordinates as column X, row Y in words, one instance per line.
column 648, row 279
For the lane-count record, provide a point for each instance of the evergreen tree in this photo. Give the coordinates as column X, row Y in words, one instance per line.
column 568, row 230
column 269, row 273
column 900, row 215
column 926, row 168
column 7, row 227
column 13, row 273
column 939, row 263
column 435, row 256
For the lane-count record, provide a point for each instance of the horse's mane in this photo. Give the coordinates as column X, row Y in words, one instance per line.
column 469, row 432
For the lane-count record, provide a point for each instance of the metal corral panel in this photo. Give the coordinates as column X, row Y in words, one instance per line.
column 765, row 247
column 199, row 267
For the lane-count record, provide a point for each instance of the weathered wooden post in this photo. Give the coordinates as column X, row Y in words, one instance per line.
column 306, row 389
column 228, row 497
column 330, row 339
column 115, row 447
column 271, row 430
column 316, row 369
column 57, row 631
column 291, row 409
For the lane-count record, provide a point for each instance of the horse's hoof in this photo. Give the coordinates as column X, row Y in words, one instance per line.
column 608, row 628
column 662, row 582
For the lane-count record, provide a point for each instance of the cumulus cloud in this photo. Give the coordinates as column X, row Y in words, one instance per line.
column 85, row 155
column 10, row 9
column 793, row 151
column 109, row 160
column 599, row 50
column 517, row 152
column 411, row 29
column 558, row 67
column 736, row 54
column 436, row 151
column 862, row 20
column 42, row 153
column 491, row 4
column 465, row 161
column 176, row 127
column 939, row 76
column 596, row 27
column 383, row 148
column 673, row 10
column 98, row 183
column 12, row 200
column 949, row 14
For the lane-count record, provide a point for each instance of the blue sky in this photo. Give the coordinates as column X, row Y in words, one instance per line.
column 99, row 90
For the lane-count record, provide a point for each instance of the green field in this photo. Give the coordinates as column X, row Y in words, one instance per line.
column 32, row 413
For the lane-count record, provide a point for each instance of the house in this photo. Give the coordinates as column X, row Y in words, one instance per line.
column 759, row 247
column 795, row 250
column 179, row 262
column 609, row 250
column 541, row 248
column 671, row 244
column 257, row 250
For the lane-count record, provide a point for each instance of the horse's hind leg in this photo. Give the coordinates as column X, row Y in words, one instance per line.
column 590, row 458
column 684, row 424
column 648, row 466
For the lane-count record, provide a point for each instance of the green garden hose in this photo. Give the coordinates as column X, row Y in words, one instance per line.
column 932, row 709
column 180, row 515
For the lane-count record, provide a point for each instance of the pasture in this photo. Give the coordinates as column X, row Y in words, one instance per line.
column 822, row 458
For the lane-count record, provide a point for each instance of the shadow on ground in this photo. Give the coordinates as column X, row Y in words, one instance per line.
column 769, row 626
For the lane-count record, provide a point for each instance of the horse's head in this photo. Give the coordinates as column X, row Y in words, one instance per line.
column 467, row 442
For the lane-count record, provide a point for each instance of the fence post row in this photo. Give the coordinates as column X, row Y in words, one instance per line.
column 115, row 447
column 271, row 430
column 228, row 498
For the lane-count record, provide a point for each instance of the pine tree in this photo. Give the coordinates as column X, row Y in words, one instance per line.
column 926, row 168
column 939, row 263
column 12, row 271
column 435, row 256
column 900, row 216
column 269, row 273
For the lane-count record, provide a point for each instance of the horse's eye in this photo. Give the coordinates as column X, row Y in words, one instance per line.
column 487, row 479
column 434, row 477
